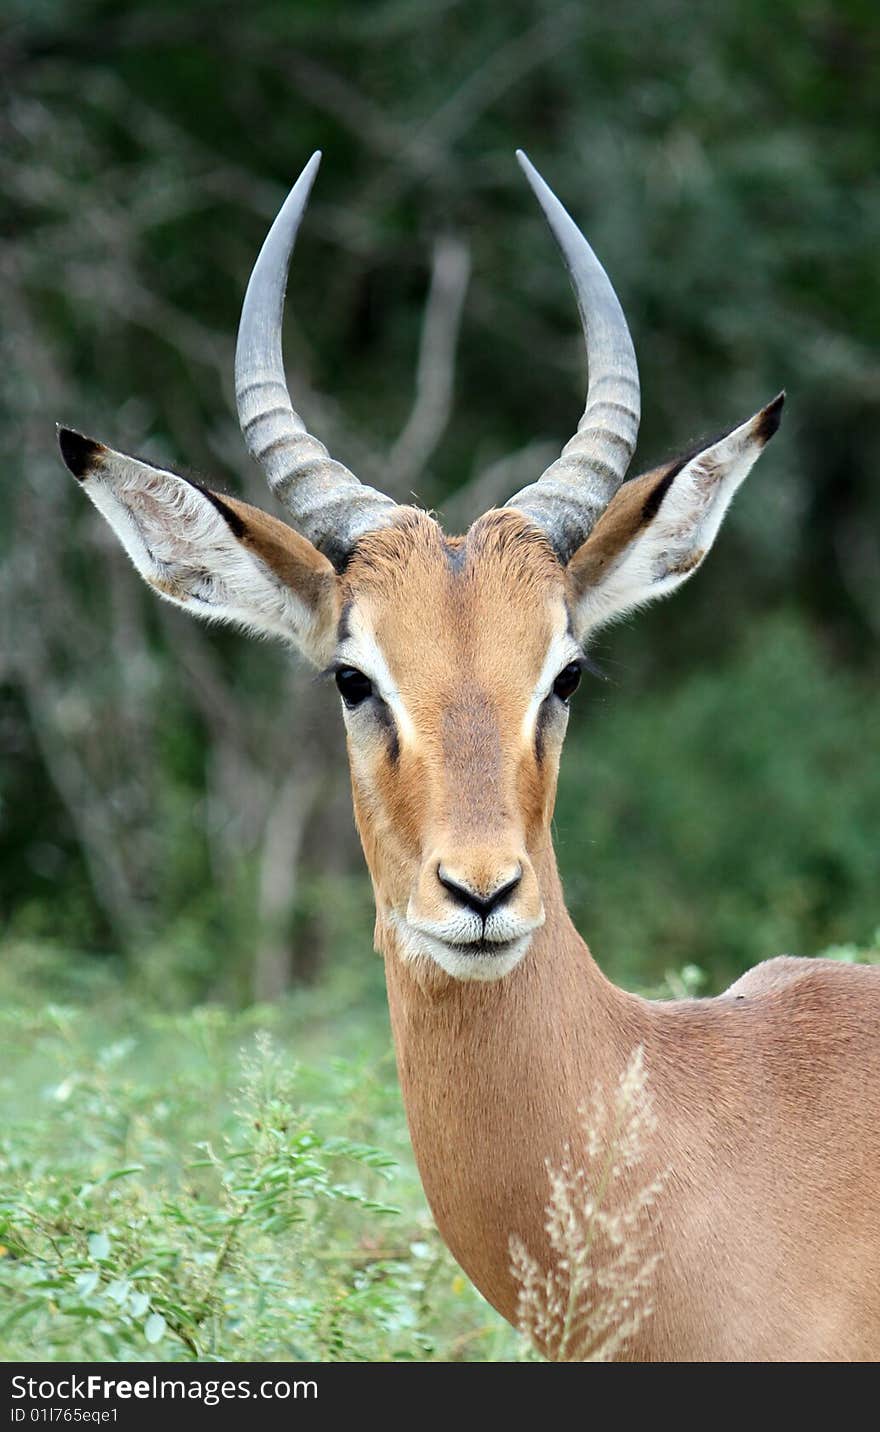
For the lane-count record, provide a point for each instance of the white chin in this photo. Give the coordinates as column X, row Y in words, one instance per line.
column 457, row 960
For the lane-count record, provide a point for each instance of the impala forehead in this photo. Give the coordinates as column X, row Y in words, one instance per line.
column 431, row 621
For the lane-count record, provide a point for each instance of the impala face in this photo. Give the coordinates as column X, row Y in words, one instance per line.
column 455, row 662
column 454, row 657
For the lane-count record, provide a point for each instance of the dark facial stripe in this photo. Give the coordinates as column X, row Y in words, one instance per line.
column 344, row 630
column 540, row 726
column 386, row 721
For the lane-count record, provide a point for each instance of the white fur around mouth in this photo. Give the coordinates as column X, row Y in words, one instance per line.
column 478, row 960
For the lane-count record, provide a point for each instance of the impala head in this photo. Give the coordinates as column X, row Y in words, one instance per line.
column 454, row 657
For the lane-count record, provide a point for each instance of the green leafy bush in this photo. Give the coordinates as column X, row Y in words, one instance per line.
column 166, row 1197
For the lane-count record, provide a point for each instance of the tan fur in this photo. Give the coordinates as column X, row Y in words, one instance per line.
column 466, row 783
column 768, row 1098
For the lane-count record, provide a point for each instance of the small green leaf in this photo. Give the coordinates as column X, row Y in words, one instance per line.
column 154, row 1328
column 99, row 1246
column 122, row 1173
column 31, row 1306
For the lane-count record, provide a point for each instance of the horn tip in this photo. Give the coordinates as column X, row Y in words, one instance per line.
column 526, row 165
column 310, row 169
column 553, row 210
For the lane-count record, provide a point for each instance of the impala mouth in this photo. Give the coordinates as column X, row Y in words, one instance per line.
column 480, row 959
column 484, row 947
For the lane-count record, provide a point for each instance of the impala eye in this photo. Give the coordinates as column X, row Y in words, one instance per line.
column 568, row 681
column 354, row 687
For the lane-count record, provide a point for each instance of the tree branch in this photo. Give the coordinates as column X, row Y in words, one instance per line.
column 435, row 372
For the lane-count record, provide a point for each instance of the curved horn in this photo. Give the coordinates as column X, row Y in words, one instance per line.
column 326, row 501
column 574, row 491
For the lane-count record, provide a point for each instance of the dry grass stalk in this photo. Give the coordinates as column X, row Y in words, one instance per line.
column 596, row 1295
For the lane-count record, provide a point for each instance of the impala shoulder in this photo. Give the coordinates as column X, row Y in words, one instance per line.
column 769, row 975
column 812, row 984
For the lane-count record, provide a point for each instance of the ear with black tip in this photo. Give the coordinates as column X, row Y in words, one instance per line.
column 656, row 531
column 80, row 453
column 219, row 558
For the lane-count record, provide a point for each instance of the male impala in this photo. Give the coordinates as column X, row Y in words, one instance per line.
column 455, row 658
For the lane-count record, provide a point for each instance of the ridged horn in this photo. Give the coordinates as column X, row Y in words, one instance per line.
column 575, row 490
column 326, row 501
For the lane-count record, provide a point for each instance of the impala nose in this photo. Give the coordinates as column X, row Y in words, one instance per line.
column 481, row 901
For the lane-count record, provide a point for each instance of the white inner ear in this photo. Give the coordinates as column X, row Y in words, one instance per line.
column 671, row 547
column 187, row 552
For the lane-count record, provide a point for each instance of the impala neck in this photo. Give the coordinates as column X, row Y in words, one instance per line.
column 493, row 1076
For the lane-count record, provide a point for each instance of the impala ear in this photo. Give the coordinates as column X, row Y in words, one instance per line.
column 220, row 559
column 657, row 529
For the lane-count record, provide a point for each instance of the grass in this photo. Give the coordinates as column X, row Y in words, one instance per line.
column 218, row 1185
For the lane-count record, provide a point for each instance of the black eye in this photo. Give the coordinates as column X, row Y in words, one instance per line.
column 568, row 681
column 354, row 687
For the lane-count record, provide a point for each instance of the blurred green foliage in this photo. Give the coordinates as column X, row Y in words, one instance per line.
column 174, row 1188
column 728, row 819
column 719, row 795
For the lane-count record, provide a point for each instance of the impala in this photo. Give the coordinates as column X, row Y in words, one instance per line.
column 455, row 659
